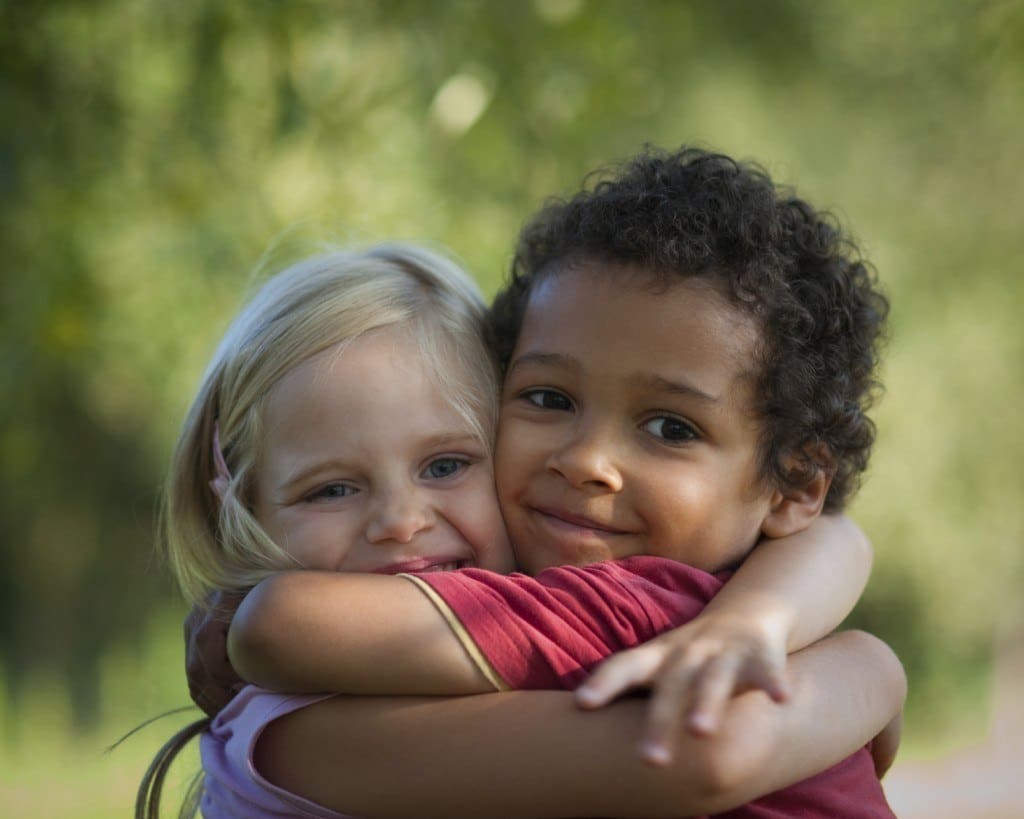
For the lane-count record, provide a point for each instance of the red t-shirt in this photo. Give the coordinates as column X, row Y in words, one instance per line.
column 549, row 631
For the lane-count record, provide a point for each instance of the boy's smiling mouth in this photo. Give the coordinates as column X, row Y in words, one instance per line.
column 562, row 520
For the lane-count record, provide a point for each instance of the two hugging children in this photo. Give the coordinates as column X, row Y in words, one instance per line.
column 684, row 356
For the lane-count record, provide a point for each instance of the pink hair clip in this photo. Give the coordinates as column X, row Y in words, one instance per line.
column 220, row 483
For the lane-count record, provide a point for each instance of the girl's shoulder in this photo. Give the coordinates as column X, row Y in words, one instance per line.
column 233, row 785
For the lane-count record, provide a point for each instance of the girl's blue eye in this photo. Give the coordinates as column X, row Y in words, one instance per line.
column 443, row 468
column 548, row 399
column 670, row 429
column 333, row 491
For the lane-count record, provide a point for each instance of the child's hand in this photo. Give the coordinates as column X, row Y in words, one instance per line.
column 212, row 681
column 695, row 668
column 886, row 744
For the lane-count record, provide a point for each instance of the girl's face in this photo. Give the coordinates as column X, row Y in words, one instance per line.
column 365, row 467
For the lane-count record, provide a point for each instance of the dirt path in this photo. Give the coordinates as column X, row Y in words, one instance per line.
column 985, row 781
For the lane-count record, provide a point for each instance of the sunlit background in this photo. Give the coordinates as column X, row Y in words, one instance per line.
column 151, row 153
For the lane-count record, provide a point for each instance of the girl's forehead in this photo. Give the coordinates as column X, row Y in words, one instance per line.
column 381, row 382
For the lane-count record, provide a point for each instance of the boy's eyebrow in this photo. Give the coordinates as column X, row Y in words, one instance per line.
column 646, row 380
column 661, row 384
column 545, row 359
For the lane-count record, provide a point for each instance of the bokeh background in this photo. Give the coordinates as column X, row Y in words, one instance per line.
column 155, row 156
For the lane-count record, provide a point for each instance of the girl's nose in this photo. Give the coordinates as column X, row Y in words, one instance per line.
column 587, row 461
column 399, row 518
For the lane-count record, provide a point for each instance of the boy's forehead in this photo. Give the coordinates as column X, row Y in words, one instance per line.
column 626, row 306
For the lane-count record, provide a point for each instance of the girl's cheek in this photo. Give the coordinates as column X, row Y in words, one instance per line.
column 496, row 547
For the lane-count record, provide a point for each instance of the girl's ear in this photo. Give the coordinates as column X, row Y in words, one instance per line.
column 793, row 510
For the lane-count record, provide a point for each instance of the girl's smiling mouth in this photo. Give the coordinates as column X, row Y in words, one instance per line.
column 421, row 565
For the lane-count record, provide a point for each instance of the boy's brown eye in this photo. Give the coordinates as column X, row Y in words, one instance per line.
column 671, row 429
column 548, row 399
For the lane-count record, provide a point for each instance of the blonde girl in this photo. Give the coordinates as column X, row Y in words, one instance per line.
column 421, row 319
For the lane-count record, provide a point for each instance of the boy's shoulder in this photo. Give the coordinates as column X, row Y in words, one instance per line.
column 636, row 573
column 548, row 631
column 627, row 601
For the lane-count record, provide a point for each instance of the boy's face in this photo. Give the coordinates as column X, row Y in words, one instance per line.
column 627, row 424
column 366, row 467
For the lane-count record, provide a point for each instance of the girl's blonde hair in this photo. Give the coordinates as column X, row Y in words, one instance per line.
column 319, row 303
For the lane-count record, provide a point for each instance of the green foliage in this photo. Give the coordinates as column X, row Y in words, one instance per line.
column 151, row 152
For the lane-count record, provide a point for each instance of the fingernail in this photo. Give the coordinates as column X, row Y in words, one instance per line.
column 702, row 723
column 586, row 695
column 655, row 753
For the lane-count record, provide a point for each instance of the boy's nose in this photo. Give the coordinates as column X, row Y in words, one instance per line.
column 398, row 519
column 587, row 460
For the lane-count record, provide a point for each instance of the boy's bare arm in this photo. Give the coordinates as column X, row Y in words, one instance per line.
column 788, row 593
column 471, row 756
column 307, row 631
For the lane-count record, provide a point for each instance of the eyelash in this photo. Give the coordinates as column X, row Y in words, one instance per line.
column 462, row 463
column 687, row 428
column 530, row 395
column 538, row 398
column 323, row 493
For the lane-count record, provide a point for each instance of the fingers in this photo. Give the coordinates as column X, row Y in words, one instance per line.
column 885, row 746
column 671, row 696
column 691, row 674
column 712, row 686
column 212, row 680
column 770, row 677
column 618, row 674
column 209, row 698
column 226, row 603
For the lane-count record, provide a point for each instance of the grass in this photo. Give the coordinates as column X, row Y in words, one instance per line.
column 51, row 772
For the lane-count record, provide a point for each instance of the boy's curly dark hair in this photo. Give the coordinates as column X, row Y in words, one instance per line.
column 692, row 213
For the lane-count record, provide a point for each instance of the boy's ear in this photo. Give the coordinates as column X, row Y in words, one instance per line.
column 793, row 510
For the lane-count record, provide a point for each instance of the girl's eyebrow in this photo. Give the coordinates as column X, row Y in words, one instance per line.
column 443, row 439
column 308, row 471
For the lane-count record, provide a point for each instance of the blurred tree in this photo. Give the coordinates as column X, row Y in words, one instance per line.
column 150, row 152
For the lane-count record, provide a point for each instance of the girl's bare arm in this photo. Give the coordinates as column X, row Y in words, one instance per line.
column 535, row 754
column 307, row 631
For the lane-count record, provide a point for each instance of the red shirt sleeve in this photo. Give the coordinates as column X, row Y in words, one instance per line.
column 548, row 631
